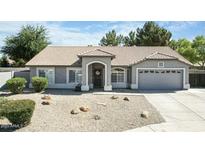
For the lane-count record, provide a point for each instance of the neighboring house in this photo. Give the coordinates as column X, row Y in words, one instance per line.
column 111, row 67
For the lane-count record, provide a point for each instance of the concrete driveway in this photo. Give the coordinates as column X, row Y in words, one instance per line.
column 182, row 110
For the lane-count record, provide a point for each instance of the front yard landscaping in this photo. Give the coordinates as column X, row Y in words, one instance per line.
column 17, row 112
column 76, row 111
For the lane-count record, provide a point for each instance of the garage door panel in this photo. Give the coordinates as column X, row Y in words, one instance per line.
column 160, row 79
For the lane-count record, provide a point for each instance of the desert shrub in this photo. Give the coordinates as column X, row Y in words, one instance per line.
column 18, row 112
column 2, row 101
column 39, row 83
column 16, row 85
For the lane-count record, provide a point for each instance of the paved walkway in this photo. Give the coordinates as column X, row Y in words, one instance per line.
column 183, row 110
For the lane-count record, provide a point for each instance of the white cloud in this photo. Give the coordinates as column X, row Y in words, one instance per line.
column 91, row 34
column 177, row 26
column 125, row 27
column 61, row 35
column 58, row 33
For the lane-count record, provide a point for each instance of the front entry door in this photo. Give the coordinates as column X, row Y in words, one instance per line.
column 97, row 77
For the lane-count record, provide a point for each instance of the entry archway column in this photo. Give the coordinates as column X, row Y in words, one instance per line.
column 107, row 87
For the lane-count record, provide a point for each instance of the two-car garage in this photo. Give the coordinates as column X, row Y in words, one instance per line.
column 160, row 79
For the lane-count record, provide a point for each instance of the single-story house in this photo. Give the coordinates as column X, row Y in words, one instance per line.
column 111, row 67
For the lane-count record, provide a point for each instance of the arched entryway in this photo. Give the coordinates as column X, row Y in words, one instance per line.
column 96, row 74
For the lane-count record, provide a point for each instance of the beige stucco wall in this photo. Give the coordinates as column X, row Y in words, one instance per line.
column 32, row 72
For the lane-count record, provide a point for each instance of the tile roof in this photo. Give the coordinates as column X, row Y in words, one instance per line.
column 124, row 56
column 96, row 52
column 158, row 55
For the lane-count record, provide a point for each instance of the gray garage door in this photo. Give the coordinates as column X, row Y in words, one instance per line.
column 160, row 79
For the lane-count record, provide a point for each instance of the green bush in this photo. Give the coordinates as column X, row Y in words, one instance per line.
column 39, row 83
column 18, row 112
column 2, row 101
column 16, row 85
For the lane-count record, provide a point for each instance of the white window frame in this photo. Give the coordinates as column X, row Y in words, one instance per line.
column 67, row 74
column 113, row 69
column 161, row 62
column 46, row 68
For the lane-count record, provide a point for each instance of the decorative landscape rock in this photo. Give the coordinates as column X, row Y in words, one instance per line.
column 126, row 99
column 46, row 97
column 96, row 117
column 45, row 103
column 114, row 97
column 74, row 111
column 145, row 114
column 103, row 104
column 84, row 109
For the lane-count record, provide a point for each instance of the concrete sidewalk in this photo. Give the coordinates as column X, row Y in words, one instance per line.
column 183, row 111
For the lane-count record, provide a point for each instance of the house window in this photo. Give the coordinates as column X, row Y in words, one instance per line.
column 160, row 64
column 118, row 75
column 74, row 76
column 47, row 73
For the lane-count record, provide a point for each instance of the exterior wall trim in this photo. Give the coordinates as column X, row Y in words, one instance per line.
column 59, row 86
column 120, row 84
column 67, row 73
column 125, row 73
column 135, row 86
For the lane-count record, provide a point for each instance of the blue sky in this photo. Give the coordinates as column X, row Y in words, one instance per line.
column 90, row 32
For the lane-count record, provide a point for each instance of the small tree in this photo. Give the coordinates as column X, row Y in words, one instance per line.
column 4, row 61
column 194, row 50
column 111, row 39
column 131, row 39
column 200, row 51
column 199, row 45
column 19, row 63
column 173, row 44
column 151, row 34
column 26, row 44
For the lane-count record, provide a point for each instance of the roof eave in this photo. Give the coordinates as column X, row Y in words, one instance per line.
column 80, row 56
column 144, row 59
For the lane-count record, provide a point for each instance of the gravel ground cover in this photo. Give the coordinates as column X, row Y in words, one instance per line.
column 104, row 114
